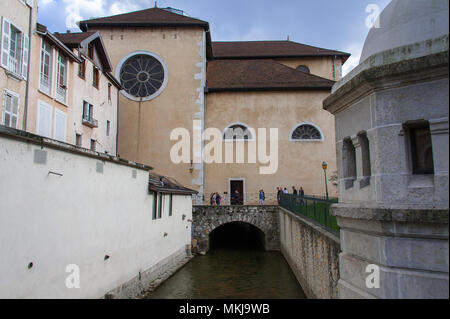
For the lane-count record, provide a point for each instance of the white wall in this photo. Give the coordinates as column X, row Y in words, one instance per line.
column 78, row 218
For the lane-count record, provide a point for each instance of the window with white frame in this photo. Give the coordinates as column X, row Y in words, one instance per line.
column 45, row 83
column 10, row 109
column 61, row 78
column 15, row 49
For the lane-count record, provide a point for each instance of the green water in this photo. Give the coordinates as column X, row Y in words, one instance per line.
column 232, row 274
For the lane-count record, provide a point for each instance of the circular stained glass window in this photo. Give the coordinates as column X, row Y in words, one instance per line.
column 143, row 76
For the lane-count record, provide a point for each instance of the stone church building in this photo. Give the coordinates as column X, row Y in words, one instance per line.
column 174, row 76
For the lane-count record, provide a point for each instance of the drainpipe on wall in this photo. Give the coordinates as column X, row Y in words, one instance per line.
column 27, row 87
column 117, row 124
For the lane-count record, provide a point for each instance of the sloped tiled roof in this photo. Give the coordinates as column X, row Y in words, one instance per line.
column 80, row 40
column 164, row 184
column 269, row 49
column 44, row 32
column 73, row 39
column 258, row 75
column 144, row 18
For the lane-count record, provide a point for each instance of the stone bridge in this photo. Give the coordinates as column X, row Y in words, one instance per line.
column 206, row 219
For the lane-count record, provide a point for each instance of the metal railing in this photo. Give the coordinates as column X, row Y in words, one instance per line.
column 312, row 207
column 61, row 93
column 45, row 84
column 13, row 65
column 89, row 121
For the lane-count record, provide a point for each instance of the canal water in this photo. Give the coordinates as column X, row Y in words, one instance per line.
column 236, row 267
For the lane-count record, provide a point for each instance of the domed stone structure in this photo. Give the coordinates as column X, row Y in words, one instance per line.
column 407, row 22
column 392, row 114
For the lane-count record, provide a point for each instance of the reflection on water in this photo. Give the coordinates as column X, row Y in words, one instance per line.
column 241, row 274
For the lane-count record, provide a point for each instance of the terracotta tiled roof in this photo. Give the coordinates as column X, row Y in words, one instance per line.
column 73, row 39
column 257, row 75
column 269, row 49
column 145, row 18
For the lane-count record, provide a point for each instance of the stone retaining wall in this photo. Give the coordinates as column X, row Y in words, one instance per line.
column 312, row 253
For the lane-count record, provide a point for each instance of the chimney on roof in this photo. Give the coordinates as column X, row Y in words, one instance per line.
column 288, row 37
column 68, row 31
column 156, row 5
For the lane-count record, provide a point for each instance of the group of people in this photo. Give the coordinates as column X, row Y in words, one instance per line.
column 235, row 199
column 215, row 199
column 280, row 190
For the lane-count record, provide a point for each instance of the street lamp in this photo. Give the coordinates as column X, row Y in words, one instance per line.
column 324, row 167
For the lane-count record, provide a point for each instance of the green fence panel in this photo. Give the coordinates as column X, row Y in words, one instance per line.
column 311, row 207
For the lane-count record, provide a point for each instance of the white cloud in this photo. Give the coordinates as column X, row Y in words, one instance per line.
column 44, row 2
column 355, row 49
column 77, row 10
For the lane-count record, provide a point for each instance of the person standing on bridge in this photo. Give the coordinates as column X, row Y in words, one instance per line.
column 235, row 197
column 262, row 197
column 301, row 192
column 294, row 191
column 218, row 199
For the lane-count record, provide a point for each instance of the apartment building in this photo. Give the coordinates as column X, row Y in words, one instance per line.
column 16, row 19
column 73, row 96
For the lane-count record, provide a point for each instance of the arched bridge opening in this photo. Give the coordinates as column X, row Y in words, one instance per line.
column 235, row 226
column 237, row 235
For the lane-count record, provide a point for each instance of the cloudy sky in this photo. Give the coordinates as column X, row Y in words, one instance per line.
column 332, row 24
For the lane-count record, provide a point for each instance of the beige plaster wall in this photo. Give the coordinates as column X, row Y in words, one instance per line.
column 321, row 66
column 36, row 95
column 78, row 90
column 144, row 128
column 19, row 14
column 104, row 110
column 299, row 163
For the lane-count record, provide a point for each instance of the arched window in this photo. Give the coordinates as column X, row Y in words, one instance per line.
column 306, row 132
column 237, row 131
column 303, row 68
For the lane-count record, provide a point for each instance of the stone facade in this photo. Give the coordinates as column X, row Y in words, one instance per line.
column 393, row 213
column 207, row 218
column 312, row 253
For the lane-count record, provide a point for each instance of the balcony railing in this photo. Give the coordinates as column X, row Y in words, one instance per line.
column 14, row 65
column 61, row 92
column 45, row 84
column 89, row 121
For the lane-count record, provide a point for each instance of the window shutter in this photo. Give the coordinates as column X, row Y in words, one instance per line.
column 60, row 126
column 44, row 120
column 14, row 111
column 25, row 56
column 6, row 30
